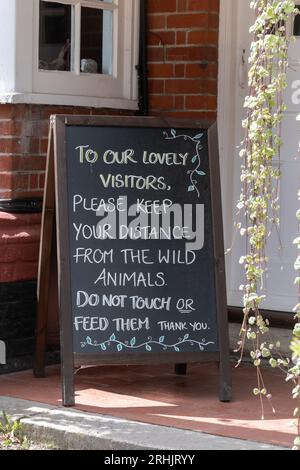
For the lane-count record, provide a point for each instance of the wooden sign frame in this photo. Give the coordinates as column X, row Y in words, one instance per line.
column 56, row 196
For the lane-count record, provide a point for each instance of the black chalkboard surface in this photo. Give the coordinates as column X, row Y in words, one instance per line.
column 140, row 245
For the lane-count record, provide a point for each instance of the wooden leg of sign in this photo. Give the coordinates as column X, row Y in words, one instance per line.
column 45, row 257
column 40, row 342
column 225, row 381
column 225, row 385
column 220, row 278
column 225, row 390
column 67, row 357
column 66, row 342
column 180, row 369
column 68, row 388
column 63, row 268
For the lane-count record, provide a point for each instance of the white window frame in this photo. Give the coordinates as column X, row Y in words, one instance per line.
column 23, row 82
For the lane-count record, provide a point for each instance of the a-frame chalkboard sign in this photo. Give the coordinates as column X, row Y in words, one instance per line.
column 140, row 255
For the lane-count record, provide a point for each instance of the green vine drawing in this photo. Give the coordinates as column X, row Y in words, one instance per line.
column 132, row 344
column 196, row 159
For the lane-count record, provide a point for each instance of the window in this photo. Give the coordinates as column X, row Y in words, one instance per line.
column 96, row 51
column 65, row 31
column 296, row 31
column 70, row 52
column 55, row 36
column 87, row 49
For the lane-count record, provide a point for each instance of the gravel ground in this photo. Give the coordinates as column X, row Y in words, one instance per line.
column 12, row 436
column 18, row 447
column 29, row 446
column 26, row 445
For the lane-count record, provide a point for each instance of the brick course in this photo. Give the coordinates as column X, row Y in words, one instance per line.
column 23, row 146
column 23, row 151
column 183, row 58
column 19, row 246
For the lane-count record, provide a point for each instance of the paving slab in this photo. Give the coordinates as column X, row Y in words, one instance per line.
column 69, row 429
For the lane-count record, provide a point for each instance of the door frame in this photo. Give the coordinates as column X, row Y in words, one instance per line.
column 226, row 117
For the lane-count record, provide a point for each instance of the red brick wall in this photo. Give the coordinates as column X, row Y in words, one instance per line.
column 183, row 57
column 23, row 150
column 19, row 246
column 23, row 146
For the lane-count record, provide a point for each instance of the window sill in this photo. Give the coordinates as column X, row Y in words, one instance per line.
column 67, row 100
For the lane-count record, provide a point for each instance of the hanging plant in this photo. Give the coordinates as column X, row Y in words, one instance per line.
column 294, row 371
column 260, row 176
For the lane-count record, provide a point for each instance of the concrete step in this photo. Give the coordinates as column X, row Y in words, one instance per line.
column 70, row 429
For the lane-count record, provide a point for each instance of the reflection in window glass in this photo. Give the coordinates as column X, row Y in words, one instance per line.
column 55, row 36
column 96, row 41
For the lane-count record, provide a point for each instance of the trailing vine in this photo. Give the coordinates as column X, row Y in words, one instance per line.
column 294, row 371
column 260, row 182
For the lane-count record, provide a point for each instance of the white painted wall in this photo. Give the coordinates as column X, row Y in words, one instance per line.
column 7, row 46
column 234, row 38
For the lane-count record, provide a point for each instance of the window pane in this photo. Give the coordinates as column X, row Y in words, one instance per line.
column 55, row 36
column 96, row 41
column 297, row 24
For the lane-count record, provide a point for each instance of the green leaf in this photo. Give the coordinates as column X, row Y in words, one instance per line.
column 198, row 136
column 5, row 418
column 266, row 353
column 297, row 264
column 273, row 363
column 297, row 441
column 296, row 331
column 296, row 413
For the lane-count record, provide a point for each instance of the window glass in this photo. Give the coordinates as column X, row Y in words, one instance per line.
column 297, row 24
column 96, row 41
column 55, row 36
